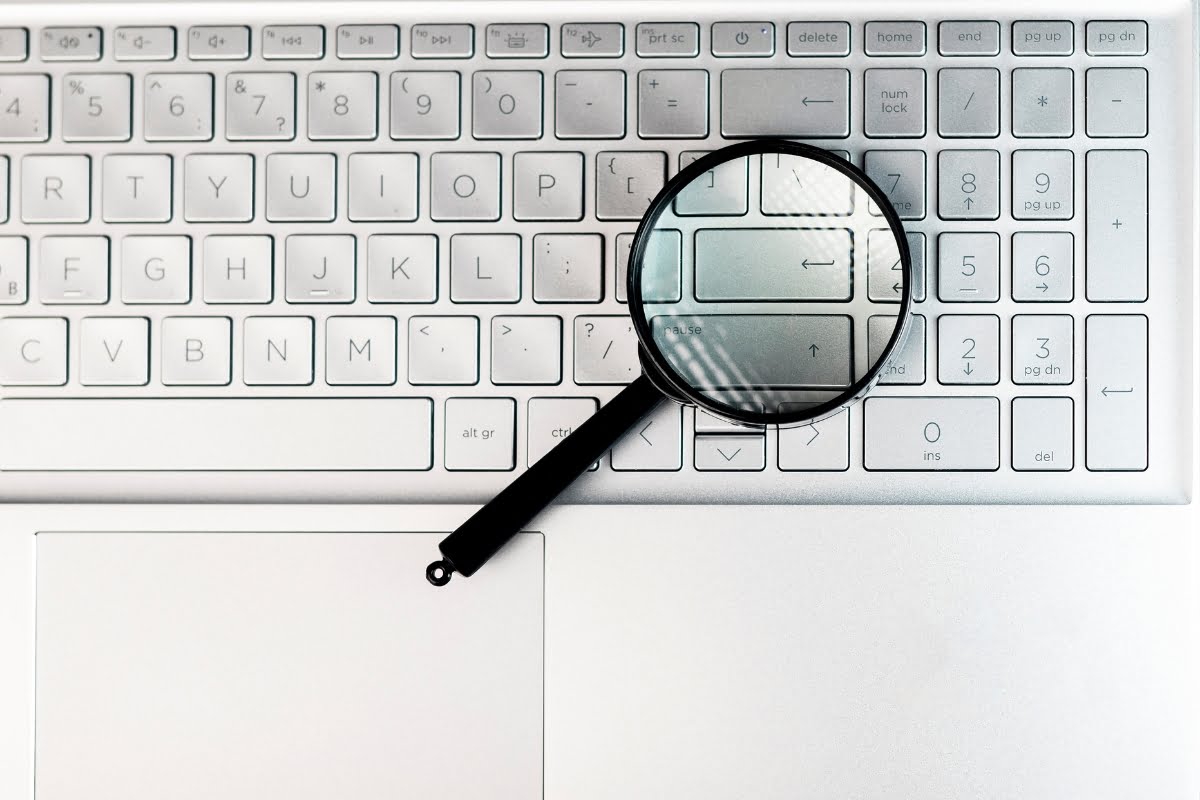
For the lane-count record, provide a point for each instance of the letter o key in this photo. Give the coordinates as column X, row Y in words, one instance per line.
column 465, row 181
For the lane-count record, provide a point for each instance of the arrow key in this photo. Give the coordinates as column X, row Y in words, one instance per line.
column 731, row 453
column 655, row 443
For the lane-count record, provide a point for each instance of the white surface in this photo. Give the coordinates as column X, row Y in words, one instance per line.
column 711, row 653
column 239, row 665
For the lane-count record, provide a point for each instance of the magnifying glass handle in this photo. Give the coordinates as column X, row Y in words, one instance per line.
column 478, row 539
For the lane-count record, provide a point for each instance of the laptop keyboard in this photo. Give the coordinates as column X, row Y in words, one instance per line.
column 398, row 247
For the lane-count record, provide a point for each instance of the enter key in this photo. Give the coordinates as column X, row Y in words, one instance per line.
column 1117, row 385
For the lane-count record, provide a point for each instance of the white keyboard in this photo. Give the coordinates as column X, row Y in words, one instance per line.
column 377, row 251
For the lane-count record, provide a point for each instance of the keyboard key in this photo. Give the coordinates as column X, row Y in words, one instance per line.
column 33, row 352
column 589, row 104
column 24, row 108
column 968, row 349
column 723, row 194
column 818, row 39
column 1116, row 384
column 895, row 38
column 222, row 434
column 114, row 351
column 1043, row 266
column 673, row 104
column 885, row 268
column 156, row 269
column 238, row 269
column 360, row 351
column 743, row 39
column 792, row 185
column 368, row 41
column 968, row 267
column 144, row 43
column 654, row 444
column 1043, row 434
column 668, row 39
column 548, row 186
column 663, row 249
column 1043, row 38
column 973, row 38
column 969, row 102
column 73, row 269
column 593, row 40
column 56, row 189
column 1117, row 220
column 822, row 446
column 382, row 187
column 425, row 105
column 342, row 105
column 218, row 188
column 464, row 186
column 14, row 270
column 800, row 103
column 195, row 351
column 761, row 264
column 480, row 433
column 1116, row 102
column 506, row 105
column 895, row 102
column 907, row 363
column 402, row 268
column 916, row 254
column 443, row 350
column 96, row 108
column 552, row 419
column 301, row 187
column 518, row 41
column 442, row 41
column 1043, row 184
column 1043, row 349
column 526, row 350
column 260, row 105
column 14, row 44
column 627, row 182
column 71, row 44
column 901, row 175
column 485, row 268
column 293, row 42
column 137, row 188
column 219, row 43
column 969, row 184
column 1125, row 38
column 568, row 268
column 927, row 433
column 319, row 268
column 178, row 107
column 731, row 453
column 707, row 423
column 1043, row 102
column 606, row 350
column 277, row 351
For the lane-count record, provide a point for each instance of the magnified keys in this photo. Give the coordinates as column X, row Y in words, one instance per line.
column 749, row 289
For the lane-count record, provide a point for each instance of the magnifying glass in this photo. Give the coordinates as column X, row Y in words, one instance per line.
column 769, row 284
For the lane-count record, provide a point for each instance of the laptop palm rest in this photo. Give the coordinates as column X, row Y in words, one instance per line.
column 297, row 665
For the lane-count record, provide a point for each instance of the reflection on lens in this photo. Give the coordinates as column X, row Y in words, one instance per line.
column 771, row 281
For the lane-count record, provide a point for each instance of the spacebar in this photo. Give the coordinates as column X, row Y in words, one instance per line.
column 216, row 434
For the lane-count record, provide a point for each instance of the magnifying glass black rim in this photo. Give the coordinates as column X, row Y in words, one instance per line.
column 652, row 355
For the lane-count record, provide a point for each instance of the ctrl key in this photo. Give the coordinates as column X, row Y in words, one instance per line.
column 934, row 434
column 552, row 419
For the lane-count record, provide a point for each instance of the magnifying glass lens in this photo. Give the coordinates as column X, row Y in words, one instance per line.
column 771, row 286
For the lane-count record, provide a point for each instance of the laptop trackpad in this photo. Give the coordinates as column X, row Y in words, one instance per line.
column 307, row 665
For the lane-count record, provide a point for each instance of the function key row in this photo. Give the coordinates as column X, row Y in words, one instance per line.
column 581, row 40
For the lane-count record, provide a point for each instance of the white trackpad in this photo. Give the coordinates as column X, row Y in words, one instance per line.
column 297, row 665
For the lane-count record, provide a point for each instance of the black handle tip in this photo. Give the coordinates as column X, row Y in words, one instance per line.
column 438, row 573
